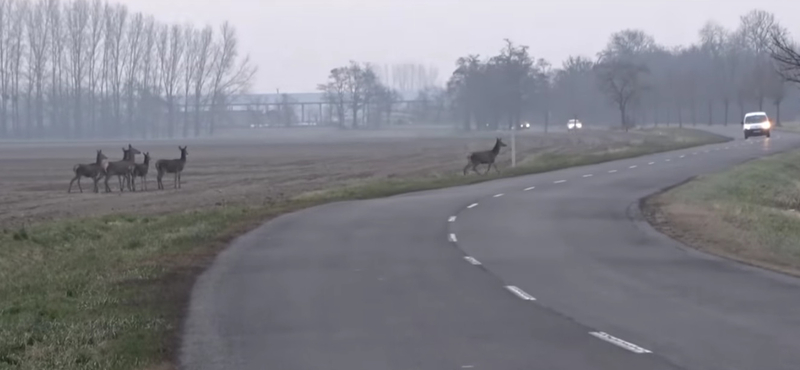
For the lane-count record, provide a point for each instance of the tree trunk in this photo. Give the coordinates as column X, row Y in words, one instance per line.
column 727, row 105
column 778, row 113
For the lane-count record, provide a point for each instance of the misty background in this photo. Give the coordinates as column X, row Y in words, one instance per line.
column 153, row 69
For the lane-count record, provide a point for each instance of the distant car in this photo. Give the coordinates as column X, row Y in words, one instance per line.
column 524, row 125
column 756, row 124
column 574, row 124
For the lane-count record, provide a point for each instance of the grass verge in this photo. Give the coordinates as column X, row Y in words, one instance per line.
column 749, row 213
column 109, row 292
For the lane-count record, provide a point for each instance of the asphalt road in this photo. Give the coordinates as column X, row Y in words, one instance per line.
column 550, row 271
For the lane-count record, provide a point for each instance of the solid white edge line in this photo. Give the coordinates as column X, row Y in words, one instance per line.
column 588, row 175
column 559, row 181
column 472, row 260
column 612, row 171
column 530, row 188
column 498, row 195
column 473, row 205
column 452, row 238
column 451, row 219
column 520, row 293
column 618, row 342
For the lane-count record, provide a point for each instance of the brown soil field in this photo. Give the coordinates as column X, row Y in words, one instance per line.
column 252, row 170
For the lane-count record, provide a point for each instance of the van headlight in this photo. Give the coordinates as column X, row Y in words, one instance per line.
column 578, row 125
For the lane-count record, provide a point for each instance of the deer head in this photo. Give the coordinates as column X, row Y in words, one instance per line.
column 184, row 153
column 133, row 151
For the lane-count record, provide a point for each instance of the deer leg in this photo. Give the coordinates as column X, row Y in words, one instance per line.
column 159, row 185
column 475, row 168
column 70, row 185
column 175, row 181
column 144, row 182
column 108, row 188
column 179, row 180
column 466, row 168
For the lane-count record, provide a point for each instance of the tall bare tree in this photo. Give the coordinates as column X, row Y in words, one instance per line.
column 77, row 24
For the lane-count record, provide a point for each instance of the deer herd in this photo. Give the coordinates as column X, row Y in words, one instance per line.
column 127, row 170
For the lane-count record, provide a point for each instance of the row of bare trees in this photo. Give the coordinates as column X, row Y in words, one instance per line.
column 89, row 68
column 633, row 80
column 357, row 98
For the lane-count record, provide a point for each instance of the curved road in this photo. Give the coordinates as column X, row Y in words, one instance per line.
column 548, row 271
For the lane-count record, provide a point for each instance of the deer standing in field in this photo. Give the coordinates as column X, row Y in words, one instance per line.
column 93, row 171
column 122, row 169
column 485, row 157
column 171, row 166
column 140, row 170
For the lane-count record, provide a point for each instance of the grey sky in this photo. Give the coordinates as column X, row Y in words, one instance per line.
column 296, row 42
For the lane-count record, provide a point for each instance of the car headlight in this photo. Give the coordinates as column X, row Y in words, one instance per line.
column 570, row 125
column 578, row 125
column 527, row 124
column 766, row 124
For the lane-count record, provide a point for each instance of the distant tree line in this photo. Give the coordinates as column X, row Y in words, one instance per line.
column 633, row 80
column 92, row 69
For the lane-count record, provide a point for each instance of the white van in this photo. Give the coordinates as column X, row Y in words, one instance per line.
column 756, row 124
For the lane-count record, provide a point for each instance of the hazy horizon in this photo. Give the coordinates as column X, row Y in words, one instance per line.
column 295, row 43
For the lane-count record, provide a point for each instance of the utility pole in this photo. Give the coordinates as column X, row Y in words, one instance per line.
column 514, row 146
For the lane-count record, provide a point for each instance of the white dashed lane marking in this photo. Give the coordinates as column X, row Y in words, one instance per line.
column 588, row 175
column 451, row 219
column 559, row 181
column 452, row 238
column 619, row 342
column 612, row 171
column 651, row 163
column 520, row 293
column 472, row 260
column 634, row 166
column 498, row 195
column 530, row 188
column 667, row 160
column 473, row 205
column 682, row 156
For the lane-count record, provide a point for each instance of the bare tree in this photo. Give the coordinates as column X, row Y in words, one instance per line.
column 170, row 51
column 621, row 81
column 77, row 23
column 132, row 56
column 190, row 65
column 16, row 48
column 335, row 93
column 116, row 21
column 147, row 86
column 203, row 54
column 92, row 57
column 227, row 77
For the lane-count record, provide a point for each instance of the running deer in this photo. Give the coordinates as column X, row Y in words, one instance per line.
column 485, row 157
column 171, row 166
column 140, row 170
column 122, row 169
column 93, row 171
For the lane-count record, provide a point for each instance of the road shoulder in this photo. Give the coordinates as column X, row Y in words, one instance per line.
column 748, row 214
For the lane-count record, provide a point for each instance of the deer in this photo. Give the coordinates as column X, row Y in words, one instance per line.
column 122, row 169
column 171, row 166
column 485, row 157
column 140, row 170
column 93, row 171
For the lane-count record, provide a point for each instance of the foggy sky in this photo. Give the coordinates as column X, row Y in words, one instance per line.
column 296, row 42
